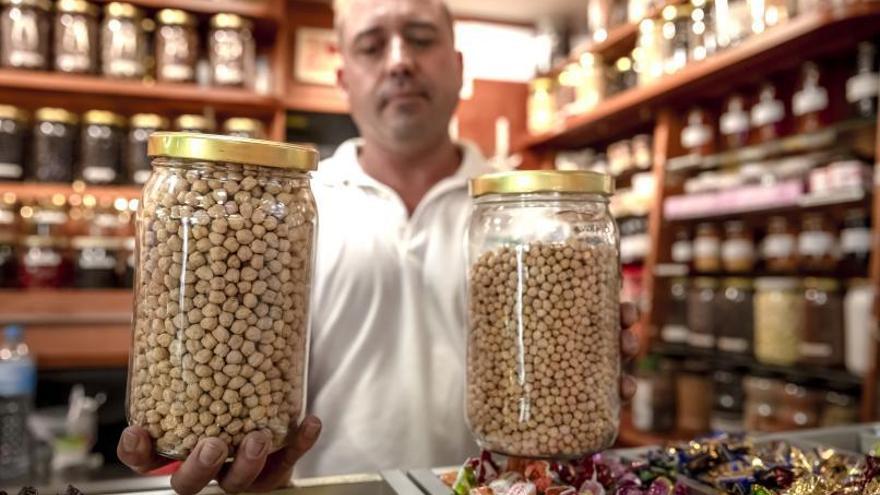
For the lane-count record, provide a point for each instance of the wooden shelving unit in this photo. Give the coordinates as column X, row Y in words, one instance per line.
column 260, row 10
column 34, row 190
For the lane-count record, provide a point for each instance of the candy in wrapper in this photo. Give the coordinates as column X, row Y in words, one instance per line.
column 661, row 486
column 591, row 487
column 542, row 484
column 760, row 490
column 560, row 490
column 503, row 483
column 465, row 481
column 538, row 469
column 523, row 488
column 481, row 490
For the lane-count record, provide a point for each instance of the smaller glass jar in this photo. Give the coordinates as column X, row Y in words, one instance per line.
column 780, row 246
column 177, row 46
column 13, row 123
column 763, row 397
column 855, row 243
column 193, row 123
column 675, row 326
column 123, row 42
column 676, row 36
column 861, row 325
column 95, row 262
column 799, row 409
column 698, row 136
column 728, row 403
column 541, row 106
column 734, row 123
column 137, row 163
column 42, row 263
column 54, row 145
column 101, row 153
column 839, row 410
column 246, row 128
column 702, row 303
column 707, row 248
column 25, row 28
column 822, row 339
column 682, row 248
column 693, row 398
column 9, row 228
column 735, row 316
column 779, row 320
column 768, row 115
column 810, row 105
column 817, row 245
column 863, row 87
column 76, row 37
column 231, row 51
column 738, row 250
column 653, row 406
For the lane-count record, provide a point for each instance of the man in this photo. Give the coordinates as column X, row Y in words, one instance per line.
column 388, row 345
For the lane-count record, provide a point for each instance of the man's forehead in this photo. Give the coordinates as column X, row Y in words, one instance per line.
column 356, row 16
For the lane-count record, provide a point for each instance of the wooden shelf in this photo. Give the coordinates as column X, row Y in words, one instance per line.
column 318, row 99
column 37, row 190
column 809, row 35
column 265, row 10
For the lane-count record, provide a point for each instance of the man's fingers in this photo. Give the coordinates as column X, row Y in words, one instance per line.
column 629, row 314
column 135, row 450
column 200, row 467
column 279, row 466
column 249, row 462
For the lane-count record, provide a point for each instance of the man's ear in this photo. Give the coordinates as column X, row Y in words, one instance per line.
column 340, row 79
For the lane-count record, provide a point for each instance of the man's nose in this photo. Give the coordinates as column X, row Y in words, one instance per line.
column 400, row 59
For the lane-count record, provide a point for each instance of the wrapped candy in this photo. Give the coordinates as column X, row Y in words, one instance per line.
column 481, row 490
column 523, row 488
column 465, row 481
column 502, row 484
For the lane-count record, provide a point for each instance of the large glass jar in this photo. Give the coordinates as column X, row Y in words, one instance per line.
column 779, row 320
column 702, row 303
column 54, row 145
column 76, row 37
column 95, row 261
column 225, row 238
column 8, row 240
column 101, row 152
column 25, row 28
column 779, row 248
column 822, row 339
column 137, row 163
column 543, row 358
column 13, row 122
column 735, row 316
column 231, row 51
column 763, row 397
column 43, row 263
column 675, row 327
column 123, row 42
column 242, row 127
column 177, row 46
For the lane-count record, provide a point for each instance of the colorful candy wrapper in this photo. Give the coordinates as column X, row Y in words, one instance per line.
column 591, row 487
column 761, row 490
column 560, row 490
column 523, row 488
column 537, row 470
column 465, row 480
column 481, row 490
column 661, row 486
column 502, row 484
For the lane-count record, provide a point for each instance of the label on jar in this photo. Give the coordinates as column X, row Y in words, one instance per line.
column 862, row 86
column 815, row 350
column 642, row 412
column 228, row 74
column 734, row 123
column 177, row 72
column 42, row 258
column 10, row 171
column 779, row 246
column 682, row 252
column 732, row 344
column 124, row 68
column 675, row 334
column 738, row 249
column 810, row 100
column 701, row 340
column 856, row 240
column 96, row 259
column 99, row 174
column 694, row 136
column 73, row 62
column 815, row 243
column 26, row 59
column 767, row 112
column 707, row 247
column 141, row 176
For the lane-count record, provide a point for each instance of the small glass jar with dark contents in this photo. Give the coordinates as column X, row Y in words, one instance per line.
column 102, row 141
column 799, row 408
column 734, row 123
column 54, row 145
column 193, row 123
column 123, row 42
column 735, row 316
column 137, row 163
column 9, row 230
column 728, row 403
column 177, row 46
column 675, row 326
column 231, row 51
column 95, row 262
column 822, row 342
column 43, row 263
column 780, row 246
column 811, row 105
column 768, row 115
column 13, row 123
column 817, row 248
column 702, row 303
column 76, row 37
column 855, row 243
column 25, row 27
column 246, row 128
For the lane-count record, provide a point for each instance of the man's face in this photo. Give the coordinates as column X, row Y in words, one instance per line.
column 400, row 70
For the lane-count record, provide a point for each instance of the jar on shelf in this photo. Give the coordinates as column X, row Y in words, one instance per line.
column 822, row 339
column 733, row 22
column 9, row 230
column 102, row 141
column 735, row 316
column 137, row 163
column 855, row 243
column 693, row 398
column 193, row 123
column 123, row 42
column 177, row 46
column 47, row 217
column 707, row 248
column 25, row 28
column 780, row 246
column 770, row 13
column 523, row 225
column 682, row 251
column 738, row 249
column 246, row 128
column 620, row 157
column 267, row 386
column 675, row 327
column 860, row 326
column 728, row 403
column 43, row 263
column 768, row 115
column 13, row 124
column 231, row 51
column 591, row 83
column 648, row 58
column 541, row 105
column 763, row 398
column 698, row 136
column 702, row 317
column 54, row 145
column 702, row 41
column 734, row 124
column 779, row 320
column 95, row 262
column 653, row 406
column 838, row 409
column 799, row 408
column 817, row 244
column 643, row 152
column 676, row 36
column 76, row 37
column 810, row 104
column 863, row 87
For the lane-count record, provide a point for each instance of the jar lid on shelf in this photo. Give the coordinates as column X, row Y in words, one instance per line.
column 777, row 283
column 228, row 21
column 175, row 17
column 738, row 283
column 823, row 284
column 193, row 146
column 538, row 181
column 122, row 10
column 240, row 124
column 40, row 4
column 102, row 117
column 149, row 121
column 61, row 115
column 192, row 122
column 77, row 7
column 10, row 112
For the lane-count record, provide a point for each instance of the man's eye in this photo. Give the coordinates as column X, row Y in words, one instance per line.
column 421, row 41
column 370, row 48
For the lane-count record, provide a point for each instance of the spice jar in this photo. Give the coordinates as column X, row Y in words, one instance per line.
column 800, row 408
column 653, row 406
column 697, row 137
column 763, row 398
column 232, row 51
column 779, row 248
column 541, row 105
column 861, row 325
column 551, row 237
column 102, row 141
column 12, row 138
column 863, row 87
column 810, row 104
column 707, row 248
column 246, row 128
column 95, row 261
column 817, row 248
column 822, row 338
column 694, row 398
column 702, row 302
column 768, row 115
column 42, row 263
column 734, row 123
column 193, row 123
column 25, row 28
column 123, row 42
column 137, row 163
column 735, row 316
column 675, row 327
column 738, row 250
column 676, row 35
column 855, row 243
column 76, row 37
column 728, row 403
column 54, row 145
column 779, row 320
column 8, row 240
column 177, row 46
column 235, row 201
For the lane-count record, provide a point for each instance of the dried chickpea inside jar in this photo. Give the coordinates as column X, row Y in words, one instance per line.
column 543, row 357
column 225, row 246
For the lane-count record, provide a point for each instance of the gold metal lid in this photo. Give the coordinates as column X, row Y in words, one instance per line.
column 228, row 21
column 823, row 284
column 122, row 10
column 40, row 4
column 10, row 112
column 738, row 283
column 56, row 115
column 101, row 117
column 240, row 124
column 542, row 84
column 175, row 17
column 77, row 7
column 535, row 181
column 193, row 146
column 192, row 122
column 149, row 121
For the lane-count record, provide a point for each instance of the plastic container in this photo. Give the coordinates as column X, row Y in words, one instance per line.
column 177, row 46
column 123, row 42
column 220, row 343
column 544, row 262
column 103, row 138
column 18, row 386
column 25, row 27
column 779, row 320
column 76, row 37
column 13, row 123
column 54, row 145
column 231, row 51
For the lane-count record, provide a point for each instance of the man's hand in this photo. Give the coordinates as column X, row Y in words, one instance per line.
column 252, row 470
column 629, row 347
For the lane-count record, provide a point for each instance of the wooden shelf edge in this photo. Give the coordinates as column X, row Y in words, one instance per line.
column 317, row 99
column 265, row 10
column 35, row 190
column 60, row 307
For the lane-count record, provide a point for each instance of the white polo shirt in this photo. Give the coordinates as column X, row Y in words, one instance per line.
column 388, row 341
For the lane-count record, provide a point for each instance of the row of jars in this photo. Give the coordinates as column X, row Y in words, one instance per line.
column 817, row 246
column 71, row 38
column 779, row 320
column 98, row 147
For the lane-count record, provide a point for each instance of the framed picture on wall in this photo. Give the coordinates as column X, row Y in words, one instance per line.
column 316, row 57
